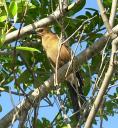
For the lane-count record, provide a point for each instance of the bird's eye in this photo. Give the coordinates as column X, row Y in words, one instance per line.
column 41, row 30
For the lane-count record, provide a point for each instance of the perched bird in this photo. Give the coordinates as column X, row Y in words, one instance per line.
column 50, row 43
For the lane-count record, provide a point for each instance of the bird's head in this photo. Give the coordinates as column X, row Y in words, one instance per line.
column 42, row 31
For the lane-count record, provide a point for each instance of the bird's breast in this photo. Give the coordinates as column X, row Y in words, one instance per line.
column 51, row 45
column 51, row 48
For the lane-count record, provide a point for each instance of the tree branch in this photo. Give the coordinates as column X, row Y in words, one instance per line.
column 104, row 86
column 44, row 89
column 113, row 12
column 110, row 70
column 105, row 19
column 43, row 22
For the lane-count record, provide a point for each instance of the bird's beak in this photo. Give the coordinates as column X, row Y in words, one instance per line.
column 38, row 32
column 33, row 32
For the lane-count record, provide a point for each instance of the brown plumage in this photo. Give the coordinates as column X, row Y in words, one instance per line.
column 50, row 43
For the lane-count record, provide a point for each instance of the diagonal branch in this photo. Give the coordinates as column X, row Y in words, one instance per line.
column 105, row 19
column 44, row 89
column 110, row 69
column 113, row 12
column 104, row 86
column 43, row 22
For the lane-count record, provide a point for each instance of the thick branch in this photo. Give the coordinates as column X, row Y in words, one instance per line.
column 44, row 89
column 104, row 86
column 113, row 12
column 105, row 19
column 45, row 21
column 109, row 72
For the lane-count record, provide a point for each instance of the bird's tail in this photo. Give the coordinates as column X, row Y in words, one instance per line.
column 76, row 95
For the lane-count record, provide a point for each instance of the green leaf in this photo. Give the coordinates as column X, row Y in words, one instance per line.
column 31, row 5
column 107, row 3
column 92, row 9
column 0, row 108
column 3, row 18
column 39, row 123
column 2, row 38
column 88, row 14
column 3, row 14
column 2, row 2
column 77, row 8
column 96, row 60
column 105, row 117
column 27, row 49
column 46, row 122
column 65, row 127
column 117, row 89
column 24, row 77
column 13, row 8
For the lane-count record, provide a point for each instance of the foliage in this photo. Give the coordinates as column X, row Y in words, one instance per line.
column 27, row 66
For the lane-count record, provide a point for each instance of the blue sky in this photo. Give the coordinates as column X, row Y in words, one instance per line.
column 50, row 112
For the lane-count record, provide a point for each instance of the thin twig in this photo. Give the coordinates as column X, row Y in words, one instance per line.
column 113, row 12
column 102, row 67
column 43, row 90
column 104, row 86
column 66, row 119
column 109, row 72
column 66, row 40
column 43, row 22
column 73, row 55
column 105, row 20
column 111, row 22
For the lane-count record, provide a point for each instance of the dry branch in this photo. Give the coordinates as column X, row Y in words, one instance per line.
column 45, row 21
column 110, row 69
column 113, row 12
column 44, row 89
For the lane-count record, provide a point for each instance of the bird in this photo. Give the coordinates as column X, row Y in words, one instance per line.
column 50, row 42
